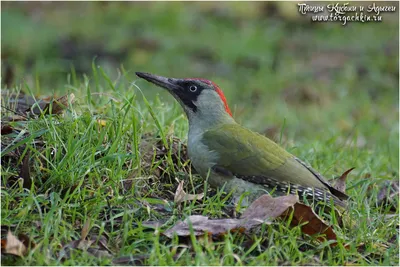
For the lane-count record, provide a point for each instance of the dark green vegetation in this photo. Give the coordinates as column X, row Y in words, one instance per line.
column 327, row 93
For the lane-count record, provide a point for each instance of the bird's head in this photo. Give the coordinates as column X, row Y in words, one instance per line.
column 200, row 98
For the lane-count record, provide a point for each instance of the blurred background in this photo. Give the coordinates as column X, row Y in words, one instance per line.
column 327, row 93
column 275, row 65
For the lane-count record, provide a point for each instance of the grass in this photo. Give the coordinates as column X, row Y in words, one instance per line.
column 334, row 118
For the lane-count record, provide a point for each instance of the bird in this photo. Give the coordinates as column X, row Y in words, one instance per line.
column 232, row 157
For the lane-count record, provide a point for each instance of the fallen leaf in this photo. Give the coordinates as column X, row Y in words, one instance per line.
column 96, row 246
column 24, row 172
column 92, row 246
column 389, row 195
column 28, row 243
column 101, row 250
column 57, row 106
column 15, row 118
column 182, row 196
column 102, row 241
column 18, row 103
column 262, row 210
column 341, row 182
column 65, row 252
column 85, row 229
column 315, row 225
column 266, row 208
column 6, row 129
column 22, row 104
column 12, row 245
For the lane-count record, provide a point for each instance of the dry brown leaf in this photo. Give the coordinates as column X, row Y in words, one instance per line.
column 28, row 243
column 85, row 229
column 267, row 208
column 94, row 246
column 58, row 105
column 262, row 210
column 24, row 172
column 19, row 103
column 102, row 242
column 315, row 225
column 25, row 104
column 3, row 244
column 388, row 195
column 341, row 182
column 6, row 129
column 182, row 196
column 65, row 252
column 84, row 244
column 12, row 245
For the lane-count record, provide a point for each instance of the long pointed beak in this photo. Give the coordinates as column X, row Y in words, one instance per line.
column 170, row 84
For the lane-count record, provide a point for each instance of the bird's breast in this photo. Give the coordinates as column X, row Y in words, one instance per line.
column 201, row 156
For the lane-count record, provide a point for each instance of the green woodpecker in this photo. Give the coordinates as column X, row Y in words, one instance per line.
column 235, row 157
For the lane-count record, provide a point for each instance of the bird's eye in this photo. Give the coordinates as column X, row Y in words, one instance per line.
column 193, row 88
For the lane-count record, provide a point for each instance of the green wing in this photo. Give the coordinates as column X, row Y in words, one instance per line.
column 247, row 153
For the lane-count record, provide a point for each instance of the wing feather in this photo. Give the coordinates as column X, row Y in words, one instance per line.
column 245, row 153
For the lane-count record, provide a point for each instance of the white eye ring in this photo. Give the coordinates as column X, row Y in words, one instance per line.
column 193, row 88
